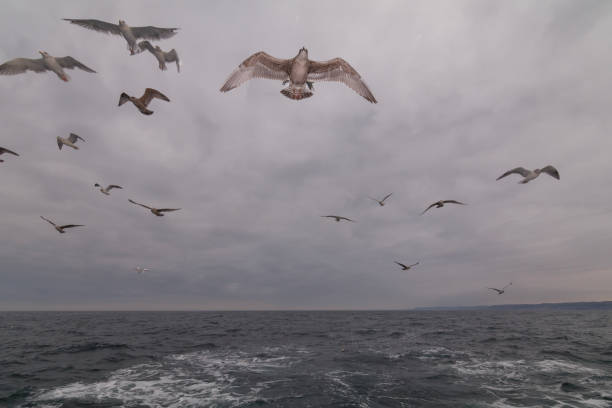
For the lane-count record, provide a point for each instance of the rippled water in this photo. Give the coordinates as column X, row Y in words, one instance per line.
column 306, row 359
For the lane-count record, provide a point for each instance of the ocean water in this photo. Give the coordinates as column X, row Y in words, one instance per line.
column 306, row 359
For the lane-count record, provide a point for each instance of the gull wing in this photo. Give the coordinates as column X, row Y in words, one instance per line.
column 145, row 45
column 21, row 65
column 74, row 137
column 96, row 25
column 123, row 98
column 497, row 290
column 5, row 150
column 111, row 186
column 71, row 226
column 172, row 56
column 519, row 170
column 347, row 219
column 258, row 65
column 401, row 264
column 70, row 63
column 453, row 202
column 168, row 209
column 339, row 70
column 142, row 205
column 551, row 171
column 387, row 196
column 414, row 264
column 151, row 93
column 49, row 221
column 429, row 208
column 153, row 33
column 507, row 286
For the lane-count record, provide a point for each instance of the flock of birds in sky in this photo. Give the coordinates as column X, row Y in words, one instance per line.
column 300, row 72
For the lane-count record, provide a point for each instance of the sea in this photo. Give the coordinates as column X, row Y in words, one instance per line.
column 474, row 358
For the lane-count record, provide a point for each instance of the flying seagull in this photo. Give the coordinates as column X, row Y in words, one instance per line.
column 131, row 34
column 406, row 267
column 502, row 290
column 61, row 228
column 140, row 269
column 107, row 189
column 337, row 218
column 46, row 63
column 299, row 72
column 5, row 150
column 69, row 141
column 381, row 202
column 529, row 175
column 156, row 211
column 441, row 203
column 142, row 102
column 162, row 57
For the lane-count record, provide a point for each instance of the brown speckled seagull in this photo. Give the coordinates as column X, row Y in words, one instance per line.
column 61, row 228
column 131, row 34
column 46, row 63
column 142, row 102
column 299, row 72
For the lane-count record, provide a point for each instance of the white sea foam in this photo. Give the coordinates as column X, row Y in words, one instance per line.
column 557, row 366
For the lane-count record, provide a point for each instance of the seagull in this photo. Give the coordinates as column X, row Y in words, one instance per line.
column 142, row 102
column 529, row 175
column 441, row 203
column 5, row 150
column 298, row 71
column 70, row 141
column 337, row 218
column 381, row 202
column 502, row 290
column 156, row 211
column 107, row 189
column 406, row 267
column 162, row 57
column 131, row 34
column 46, row 63
column 61, row 228
column 140, row 269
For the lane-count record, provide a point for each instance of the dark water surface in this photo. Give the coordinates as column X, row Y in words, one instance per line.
column 306, row 359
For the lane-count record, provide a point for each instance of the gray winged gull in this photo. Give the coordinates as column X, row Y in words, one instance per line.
column 69, row 141
column 381, row 202
column 61, row 228
column 156, row 211
column 108, row 188
column 46, row 63
column 529, row 175
column 299, row 72
column 502, row 290
column 142, row 102
column 406, row 267
column 162, row 57
column 5, row 150
column 131, row 34
column 338, row 218
column 440, row 204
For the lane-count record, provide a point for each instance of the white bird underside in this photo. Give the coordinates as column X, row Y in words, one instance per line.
column 529, row 175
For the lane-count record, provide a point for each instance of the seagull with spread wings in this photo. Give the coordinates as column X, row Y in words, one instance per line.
column 162, row 57
column 338, row 218
column 46, row 63
column 131, row 34
column 61, row 228
column 108, row 188
column 299, row 72
column 440, row 204
column 69, row 141
column 142, row 102
column 529, row 175
column 5, row 150
column 406, row 267
column 502, row 290
column 381, row 202
column 156, row 211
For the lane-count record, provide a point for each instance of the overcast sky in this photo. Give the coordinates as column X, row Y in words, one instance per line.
column 466, row 91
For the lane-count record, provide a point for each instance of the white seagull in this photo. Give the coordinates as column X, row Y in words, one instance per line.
column 61, row 228
column 440, row 204
column 381, row 202
column 299, row 72
column 69, row 141
column 406, row 267
column 162, row 57
column 338, row 218
column 46, row 63
column 131, row 34
column 140, row 269
column 156, row 211
column 529, row 175
column 502, row 290
column 5, row 150
column 108, row 188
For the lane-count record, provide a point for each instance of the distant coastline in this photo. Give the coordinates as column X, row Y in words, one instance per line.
column 566, row 305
